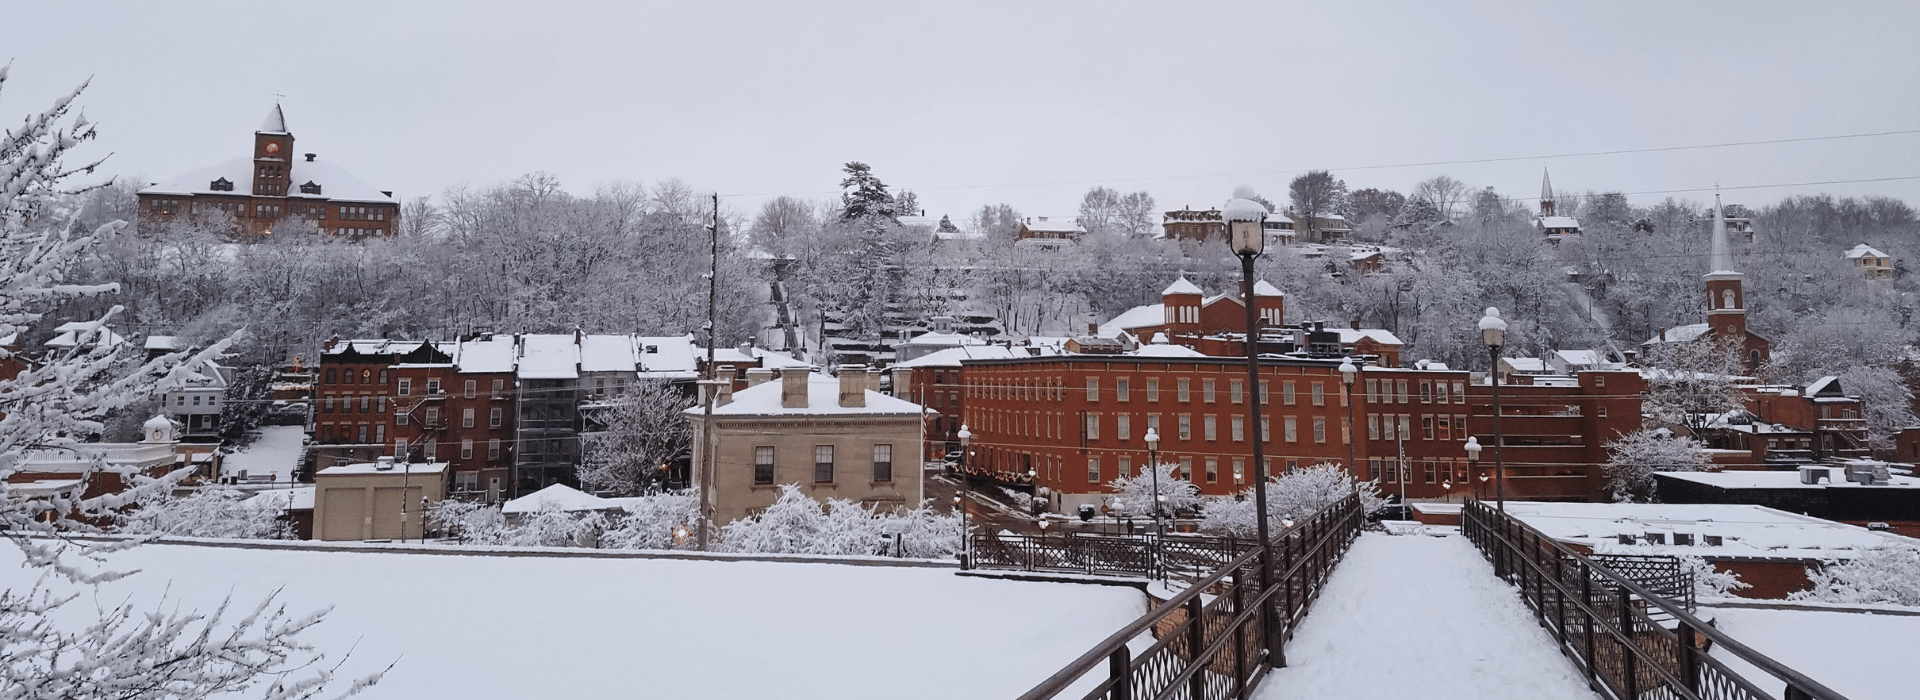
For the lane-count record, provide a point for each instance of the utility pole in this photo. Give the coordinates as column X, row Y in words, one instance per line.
column 708, row 390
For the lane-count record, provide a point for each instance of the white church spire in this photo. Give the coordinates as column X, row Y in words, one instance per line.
column 1720, row 256
column 1546, row 193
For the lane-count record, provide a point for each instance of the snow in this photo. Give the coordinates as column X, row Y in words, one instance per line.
column 1167, row 350
column 608, row 353
column 823, row 397
column 954, row 339
column 1136, row 317
column 1045, row 225
column 514, row 627
column 1404, row 617
column 165, row 343
column 1263, row 289
column 1745, row 530
column 1559, row 222
column 1679, row 334
column 549, row 356
column 277, row 452
column 1492, row 321
column 394, row 468
column 1781, row 480
column 1243, row 210
column 952, row 357
column 485, row 354
column 561, row 496
column 1855, row 654
column 1181, row 286
column 1349, row 336
column 296, row 498
column 276, row 121
column 1863, row 251
column 671, row 356
column 336, row 184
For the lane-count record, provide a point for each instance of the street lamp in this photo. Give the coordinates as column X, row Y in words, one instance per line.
column 1119, row 511
column 1348, row 372
column 1246, row 234
column 1153, row 467
column 959, row 500
column 1033, row 480
column 1494, row 332
column 1473, row 462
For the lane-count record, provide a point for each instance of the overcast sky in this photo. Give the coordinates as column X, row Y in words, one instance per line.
column 1029, row 103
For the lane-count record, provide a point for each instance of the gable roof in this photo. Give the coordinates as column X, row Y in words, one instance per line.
column 1865, row 251
column 336, row 184
column 823, row 398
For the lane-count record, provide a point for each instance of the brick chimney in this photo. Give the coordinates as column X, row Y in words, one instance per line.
column 757, row 376
column 903, row 383
column 723, row 387
column 793, row 388
column 853, row 386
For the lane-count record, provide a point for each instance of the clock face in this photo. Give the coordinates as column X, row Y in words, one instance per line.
column 273, row 148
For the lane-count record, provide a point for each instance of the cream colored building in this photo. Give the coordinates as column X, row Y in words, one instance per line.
column 835, row 438
column 379, row 500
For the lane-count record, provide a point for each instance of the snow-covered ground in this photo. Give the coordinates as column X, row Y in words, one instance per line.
column 1413, row 616
column 479, row 627
column 277, row 452
column 1859, row 655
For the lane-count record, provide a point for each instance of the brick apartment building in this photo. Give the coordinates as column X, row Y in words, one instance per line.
column 271, row 187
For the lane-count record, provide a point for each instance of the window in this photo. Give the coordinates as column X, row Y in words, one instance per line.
column 1186, row 468
column 1266, row 429
column 1286, row 393
column 493, row 448
column 1319, row 429
column 433, row 416
column 466, row 418
column 1120, row 389
column 1153, row 390
column 1386, row 428
column 1446, row 426
column 1238, row 427
column 366, row 402
column 1234, row 390
column 400, row 417
column 1426, row 426
column 1392, row 471
column 823, row 464
column 1426, row 392
column 1439, row 392
column 1126, row 465
column 1428, row 469
column 1153, row 423
column 330, row 376
column 1401, row 385
column 1373, row 391
column 362, row 438
column 1209, row 428
column 466, row 481
column 380, row 434
column 433, row 386
column 1319, row 394
column 1093, row 470
column 1460, row 424
column 380, row 404
column 406, row 386
column 1239, row 469
column 882, row 463
column 1600, row 380
column 429, row 449
column 466, row 449
column 493, row 417
column 1184, row 391
column 326, row 403
column 1292, row 430
column 196, row 400
column 399, row 447
column 1093, row 426
column 1459, row 392
column 471, row 386
column 1186, row 426
column 499, row 388
column 1213, row 470
column 1406, row 426
column 1093, row 389
column 1206, row 390
column 1603, row 411
column 1263, row 394
column 1123, row 426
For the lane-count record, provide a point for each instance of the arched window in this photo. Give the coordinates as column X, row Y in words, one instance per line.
column 330, row 375
column 1753, row 359
column 366, row 376
column 1726, row 299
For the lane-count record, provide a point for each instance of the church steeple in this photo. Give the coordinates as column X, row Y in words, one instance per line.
column 1726, row 295
column 1546, row 193
column 272, row 155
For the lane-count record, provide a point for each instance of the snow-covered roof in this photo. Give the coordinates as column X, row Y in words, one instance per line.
column 1559, row 222
column 276, row 121
column 1680, row 334
column 1865, row 251
column 1349, row 336
column 1166, row 350
column 296, row 498
column 495, row 354
column 1263, row 289
column 549, row 356
column 1525, row 364
column 394, row 468
column 1583, row 358
column 823, row 398
column 1050, row 225
column 953, row 339
column 1181, row 286
column 166, row 343
column 1136, row 317
column 277, row 452
column 335, row 183
column 1745, row 530
column 952, row 357
column 1823, row 385
column 668, row 356
column 608, row 353
column 564, row 497
column 1744, row 479
column 69, row 334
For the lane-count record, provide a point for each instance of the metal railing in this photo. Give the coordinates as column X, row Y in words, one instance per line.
column 1147, row 556
column 1219, row 637
column 1630, row 641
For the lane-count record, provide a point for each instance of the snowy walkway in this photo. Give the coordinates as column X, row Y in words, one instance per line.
column 1417, row 616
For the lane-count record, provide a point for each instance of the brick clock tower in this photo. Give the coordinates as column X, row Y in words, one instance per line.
column 1726, row 298
column 272, row 153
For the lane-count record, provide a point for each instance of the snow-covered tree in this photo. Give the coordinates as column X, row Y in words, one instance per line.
column 1634, row 457
column 1294, row 494
column 644, row 430
column 790, row 526
column 1138, row 492
column 1889, row 574
column 1709, row 582
column 797, row 524
column 657, row 521
column 1691, row 383
column 550, row 526
column 467, row 522
column 208, row 512
column 50, row 649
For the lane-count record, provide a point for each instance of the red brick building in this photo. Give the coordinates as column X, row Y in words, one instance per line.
column 274, row 186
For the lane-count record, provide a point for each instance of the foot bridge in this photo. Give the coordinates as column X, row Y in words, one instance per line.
column 1494, row 610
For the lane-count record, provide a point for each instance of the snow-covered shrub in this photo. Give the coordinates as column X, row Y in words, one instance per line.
column 208, row 512
column 1634, row 457
column 549, row 526
column 1295, row 494
column 925, row 534
column 1137, row 492
column 654, row 522
column 1021, row 499
column 797, row 524
column 468, row 523
column 1709, row 582
column 1889, row 574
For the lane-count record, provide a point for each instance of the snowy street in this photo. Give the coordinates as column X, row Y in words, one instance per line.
column 1417, row 616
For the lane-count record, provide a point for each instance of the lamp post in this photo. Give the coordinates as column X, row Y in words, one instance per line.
column 1153, row 465
column 1247, row 235
column 1119, row 512
column 1473, row 462
column 966, row 484
column 1033, row 480
column 1348, row 372
column 1494, row 332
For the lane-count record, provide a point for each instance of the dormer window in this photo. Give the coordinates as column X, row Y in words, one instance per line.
column 310, row 188
column 221, row 185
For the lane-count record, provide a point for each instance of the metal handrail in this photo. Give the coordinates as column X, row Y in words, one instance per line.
column 1683, row 670
column 1308, row 548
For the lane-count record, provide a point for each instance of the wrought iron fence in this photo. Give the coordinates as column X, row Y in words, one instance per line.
column 1630, row 641
column 1147, row 556
column 1219, row 637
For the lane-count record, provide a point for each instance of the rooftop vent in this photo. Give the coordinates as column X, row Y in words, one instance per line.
column 310, row 157
column 383, row 463
column 221, row 185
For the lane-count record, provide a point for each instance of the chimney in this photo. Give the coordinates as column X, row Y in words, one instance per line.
column 874, row 377
column 853, row 386
column 903, row 383
column 757, row 376
column 1355, row 324
column 723, row 387
column 310, row 157
column 793, row 388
